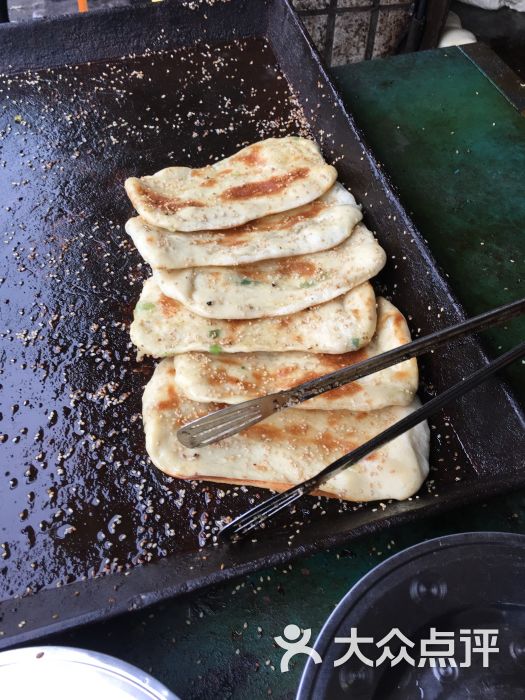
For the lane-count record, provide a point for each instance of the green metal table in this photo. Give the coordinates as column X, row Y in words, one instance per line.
column 455, row 147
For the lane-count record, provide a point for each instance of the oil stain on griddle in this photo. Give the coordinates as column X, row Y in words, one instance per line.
column 79, row 495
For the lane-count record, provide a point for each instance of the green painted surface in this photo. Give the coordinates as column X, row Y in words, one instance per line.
column 219, row 643
column 455, row 148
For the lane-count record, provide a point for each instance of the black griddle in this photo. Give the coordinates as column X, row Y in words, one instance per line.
column 88, row 527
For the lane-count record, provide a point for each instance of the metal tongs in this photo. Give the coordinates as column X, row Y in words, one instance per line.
column 231, row 420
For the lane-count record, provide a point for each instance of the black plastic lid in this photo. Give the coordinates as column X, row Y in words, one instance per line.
column 460, row 582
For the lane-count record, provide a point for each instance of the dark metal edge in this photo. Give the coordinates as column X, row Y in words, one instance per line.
column 34, row 45
column 98, row 594
column 498, row 72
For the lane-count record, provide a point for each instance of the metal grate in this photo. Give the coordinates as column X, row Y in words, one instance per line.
column 347, row 31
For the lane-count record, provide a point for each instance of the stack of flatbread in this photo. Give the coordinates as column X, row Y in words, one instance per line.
column 261, row 267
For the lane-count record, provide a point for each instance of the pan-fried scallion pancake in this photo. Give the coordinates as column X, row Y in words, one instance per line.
column 286, row 448
column 321, row 224
column 265, row 178
column 234, row 378
column 275, row 287
column 163, row 327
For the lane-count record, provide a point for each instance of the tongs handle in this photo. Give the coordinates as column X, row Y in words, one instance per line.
column 231, row 420
column 261, row 513
column 343, row 376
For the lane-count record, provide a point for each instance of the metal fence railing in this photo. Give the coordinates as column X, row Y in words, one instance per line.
column 347, row 31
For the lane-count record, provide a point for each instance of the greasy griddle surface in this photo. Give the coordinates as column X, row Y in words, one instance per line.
column 79, row 496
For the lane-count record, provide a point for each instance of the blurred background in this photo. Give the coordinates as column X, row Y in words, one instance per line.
column 348, row 31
